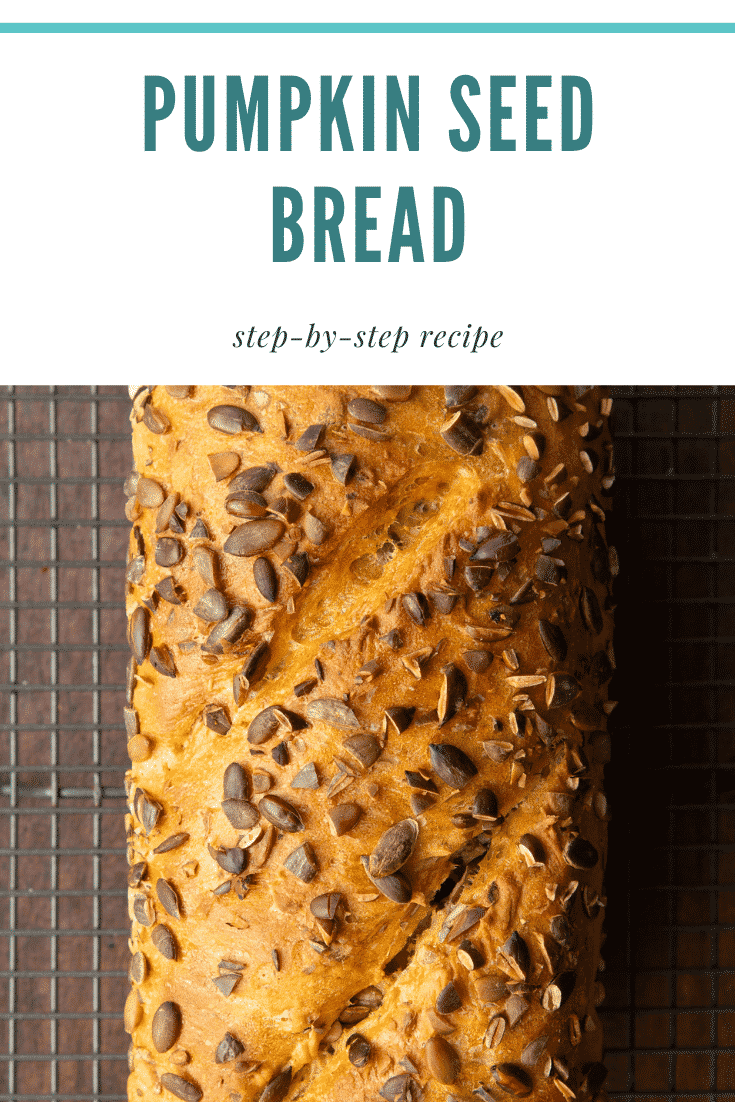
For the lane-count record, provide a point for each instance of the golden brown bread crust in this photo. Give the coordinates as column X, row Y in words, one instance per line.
column 453, row 600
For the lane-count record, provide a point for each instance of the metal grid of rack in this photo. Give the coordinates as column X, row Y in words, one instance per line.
column 64, row 926
column 670, row 952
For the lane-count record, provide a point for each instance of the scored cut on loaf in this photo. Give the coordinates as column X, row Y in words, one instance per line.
column 366, row 711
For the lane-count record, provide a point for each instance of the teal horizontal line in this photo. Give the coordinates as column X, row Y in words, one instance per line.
column 367, row 28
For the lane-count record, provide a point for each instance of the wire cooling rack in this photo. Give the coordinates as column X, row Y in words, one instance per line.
column 670, row 952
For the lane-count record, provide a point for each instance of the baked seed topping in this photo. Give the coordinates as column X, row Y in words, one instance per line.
column 335, row 713
column 452, row 764
column 168, row 897
column 240, row 814
column 278, row 1087
column 580, row 854
column 302, row 862
column 343, row 468
column 553, row 639
column 180, row 1087
column 232, row 420
column 250, row 539
column 394, row 848
column 344, row 817
column 443, row 1060
column 298, row 486
column 448, row 999
column 512, row 1079
column 396, row 887
column 358, row 1050
column 166, row 1026
column 164, row 942
column 173, row 842
column 228, row 1049
column 281, row 813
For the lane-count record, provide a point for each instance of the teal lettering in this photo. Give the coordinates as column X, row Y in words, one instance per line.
column 363, row 224
column 534, row 113
column 465, row 113
column 568, row 142
column 239, row 110
column 283, row 222
column 153, row 114
column 199, row 145
column 324, row 226
column 290, row 113
column 498, row 112
column 333, row 111
column 406, row 210
column 395, row 107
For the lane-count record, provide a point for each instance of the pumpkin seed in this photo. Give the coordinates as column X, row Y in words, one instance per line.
column 365, row 748
column 394, row 848
column 448, row 1000
column 279, row 812
column 358, row 1050
column 553, row 639
column 561, row 690
column 240, row 814
column 168, row 897
column 343, row 468
column 227, row 982
column 306, row 777
column 335, row 713
column 169, row 551
column 267, row 723
column 162, row 660
column 254, row 478
column 278, row 1087
column 452, row 764
column 485, row 805
column 462, row 434
column 443, row 1060
column 399, row 1088
column 302, row 862
column 364, row 409
column 344, row 817
column 180, row 1087
column 298, row 564
column 512, row 1079
column 532, row 849
column 250, row 539
column 211, row 606
column 397, row 887
column 232, row 420
column 516, row 950
column 140, row 633
column 223, row 464
column 234, row 782
column 174, row 842
column 458, row 395
column 298, row 485
column 149, row 494
column 580, row 854
column 164, row 942
column 228, row 1049
column 310, row 438
column 166, row 1026
column 498, row 548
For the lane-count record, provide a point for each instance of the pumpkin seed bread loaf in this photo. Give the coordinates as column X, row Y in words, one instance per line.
column 366, row 711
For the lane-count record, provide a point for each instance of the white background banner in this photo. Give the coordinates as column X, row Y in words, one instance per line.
column 613, row 263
